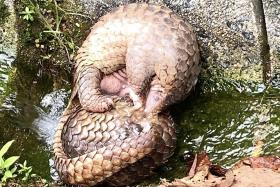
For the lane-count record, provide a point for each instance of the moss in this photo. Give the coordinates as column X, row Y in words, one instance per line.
column 215, row 78
column 54, row 34
column 6, row 86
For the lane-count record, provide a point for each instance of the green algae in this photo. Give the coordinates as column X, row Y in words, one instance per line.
column 26, row 145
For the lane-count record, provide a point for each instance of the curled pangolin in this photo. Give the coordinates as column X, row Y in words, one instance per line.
column 101, row 138
column 114, row 147
column 152, row 43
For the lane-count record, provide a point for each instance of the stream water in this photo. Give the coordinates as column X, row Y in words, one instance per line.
column 226, row 124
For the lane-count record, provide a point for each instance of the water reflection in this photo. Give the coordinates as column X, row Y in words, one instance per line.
column 227, row 126
column 50, row 109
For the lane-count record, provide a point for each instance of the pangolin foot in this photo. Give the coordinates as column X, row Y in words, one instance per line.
column 101, row 104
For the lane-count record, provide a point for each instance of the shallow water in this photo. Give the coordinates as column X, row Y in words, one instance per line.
column 226, row 126
column 226, row 123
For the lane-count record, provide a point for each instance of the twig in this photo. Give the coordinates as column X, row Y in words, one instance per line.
column 50, row 29
column 73, row 13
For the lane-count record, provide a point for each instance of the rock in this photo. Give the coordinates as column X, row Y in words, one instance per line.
column 272, row 15
column 8, row 44
column 8, row 33
column 101, row 7
column 228, row 35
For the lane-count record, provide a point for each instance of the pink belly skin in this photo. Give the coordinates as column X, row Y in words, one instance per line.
column 117, row 84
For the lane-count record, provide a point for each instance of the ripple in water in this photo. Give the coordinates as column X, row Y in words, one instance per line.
column 50, row 110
